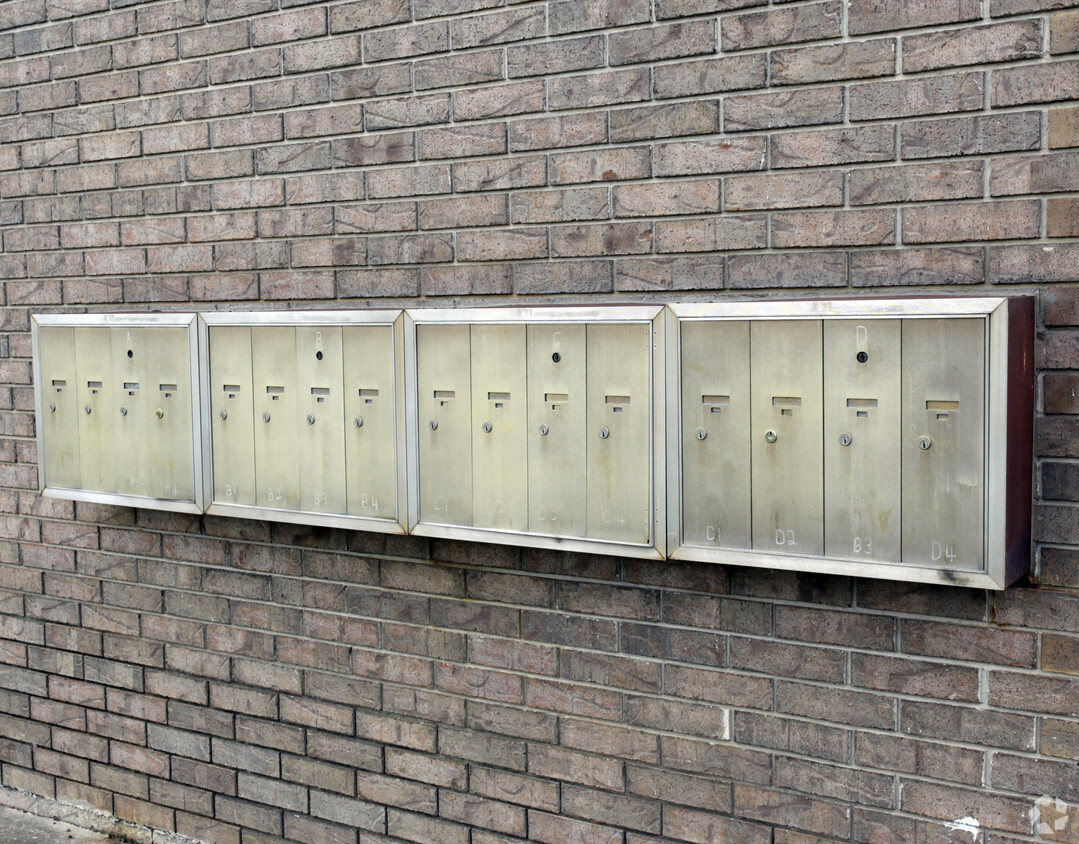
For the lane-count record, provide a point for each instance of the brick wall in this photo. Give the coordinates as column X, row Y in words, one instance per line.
column 246, row 683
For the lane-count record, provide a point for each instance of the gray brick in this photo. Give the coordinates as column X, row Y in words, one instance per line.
column 873, row 16
column 459, row 69
column 813, row 22
column 668, row 41
column 591, row 90
column 500, row 27
column 979, row 45
column 810, row 107
column 564, row 56
column 402, row 42
column 831, row 62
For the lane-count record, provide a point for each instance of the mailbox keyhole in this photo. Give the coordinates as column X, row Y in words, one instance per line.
column 318, row 355
column 556, row 357
column 862, row 357
column 130, row 353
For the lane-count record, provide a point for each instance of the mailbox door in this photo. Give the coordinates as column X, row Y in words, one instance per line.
column 125, row 458
column 715, row 428
column 862, row 492
column 232, row 414
column 60, row 407
column 787, row 431
column 321, row 444
column 370, row 423
column 618, row 431
column 276, row 405
column 943, row 441
column 556, row 429
column 96, row 393
column 168, row 397
column 444, row 387
column 499, row 420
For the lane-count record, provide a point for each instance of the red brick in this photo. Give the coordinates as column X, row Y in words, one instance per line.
column 435, row 770
column 977, row 45
column 716, row 759
column 813, row 106
column 481, row 812
column 390, row 791
column 421, row 828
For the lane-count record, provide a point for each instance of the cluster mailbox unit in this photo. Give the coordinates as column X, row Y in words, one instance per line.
column 879, row 438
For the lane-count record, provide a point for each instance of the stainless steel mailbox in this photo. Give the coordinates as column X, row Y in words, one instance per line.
column 499, row 427
column 618, row 432
column 118, row 403
column 556, row 412
column 285, row 391
column 444, row 443
column 862, row 367
column 877, row 438
column 539, row 427
column 943, row 441
column 787, row 483
column 887, row 438
column 372, row 390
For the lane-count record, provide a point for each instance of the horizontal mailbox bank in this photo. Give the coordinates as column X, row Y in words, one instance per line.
column 538, row 426
column 117, row 409
column 876, row 438
column 305, row 416
column 880, row 438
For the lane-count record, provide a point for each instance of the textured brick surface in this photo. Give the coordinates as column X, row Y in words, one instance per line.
column 243, row 683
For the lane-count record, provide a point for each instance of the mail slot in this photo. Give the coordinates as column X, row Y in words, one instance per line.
column 167, row 397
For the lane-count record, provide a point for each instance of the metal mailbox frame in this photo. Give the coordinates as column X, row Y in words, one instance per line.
column 187, row 321
column 392, row 319
column 1008, row 419
column 650, row 315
